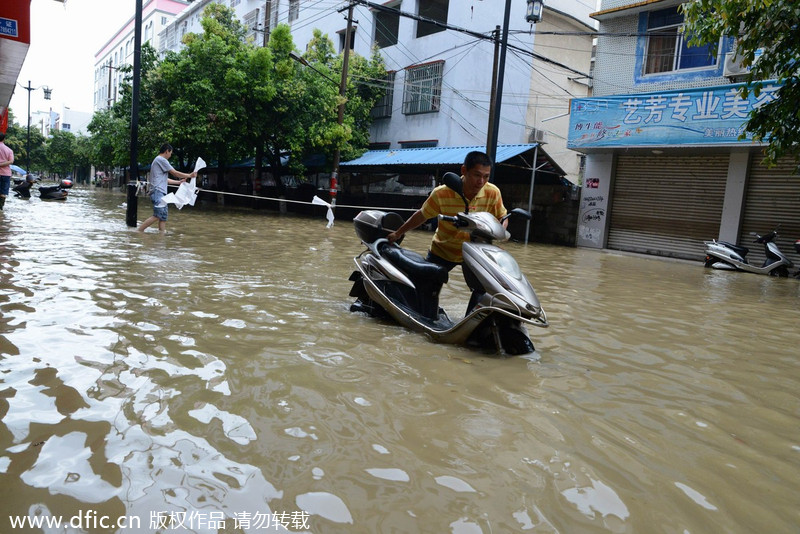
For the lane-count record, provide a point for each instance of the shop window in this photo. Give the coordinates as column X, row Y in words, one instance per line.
column 422, row 91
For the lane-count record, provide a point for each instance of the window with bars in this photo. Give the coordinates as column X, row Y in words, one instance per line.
column 252, row 23
column 294, row 9
column 383, row 108
column 668, row 47
column 422, row 91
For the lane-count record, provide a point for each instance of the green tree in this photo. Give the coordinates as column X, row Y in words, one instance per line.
column 222, row 98
column 196, row 105
column 769, row 28
column 17, row 141
column 62, row 152
column 304, row 117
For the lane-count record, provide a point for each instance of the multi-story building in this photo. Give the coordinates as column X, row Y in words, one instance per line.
column 665, row 168
column 118, row 51
column 440, row 76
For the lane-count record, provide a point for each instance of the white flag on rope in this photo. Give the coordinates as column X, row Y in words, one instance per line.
column 319, row 202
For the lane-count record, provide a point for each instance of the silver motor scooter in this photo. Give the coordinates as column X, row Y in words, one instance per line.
column 390, row 281
column 725, row 255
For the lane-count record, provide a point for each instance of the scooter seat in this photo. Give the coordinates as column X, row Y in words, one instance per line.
column 740, row 250
column 415, row 265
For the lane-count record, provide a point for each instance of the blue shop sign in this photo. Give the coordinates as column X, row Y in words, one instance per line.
column 8, row 27
column 701, row 116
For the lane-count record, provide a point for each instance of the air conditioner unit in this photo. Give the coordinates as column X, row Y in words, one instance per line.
column 733, row 67
column 537, row 136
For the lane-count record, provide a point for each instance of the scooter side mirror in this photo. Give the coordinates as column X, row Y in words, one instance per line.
column 519, row 212
column 453, row 181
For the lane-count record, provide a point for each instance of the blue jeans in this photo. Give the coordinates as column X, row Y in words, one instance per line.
column 161, row 213
column 5, row 184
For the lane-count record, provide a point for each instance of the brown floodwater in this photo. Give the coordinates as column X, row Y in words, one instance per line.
column 214, row 376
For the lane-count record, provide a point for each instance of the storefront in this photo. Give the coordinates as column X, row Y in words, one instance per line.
column 666, row 171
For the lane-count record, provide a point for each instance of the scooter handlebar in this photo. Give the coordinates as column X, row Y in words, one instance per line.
column 451, row 219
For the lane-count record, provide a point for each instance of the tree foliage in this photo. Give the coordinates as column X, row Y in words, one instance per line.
column 767, row 36
column 17, row 141
column 226, row 99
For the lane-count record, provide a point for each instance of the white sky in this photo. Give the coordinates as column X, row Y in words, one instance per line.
column 64, row 39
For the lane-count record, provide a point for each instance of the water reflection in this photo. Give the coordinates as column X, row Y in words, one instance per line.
column 215, row 373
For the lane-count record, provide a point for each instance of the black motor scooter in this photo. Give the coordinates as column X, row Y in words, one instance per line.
column 56, row 192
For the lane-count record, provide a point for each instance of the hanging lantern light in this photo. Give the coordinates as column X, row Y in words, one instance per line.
column 534, row 11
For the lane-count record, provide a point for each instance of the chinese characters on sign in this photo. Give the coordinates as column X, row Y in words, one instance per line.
column 708, row 115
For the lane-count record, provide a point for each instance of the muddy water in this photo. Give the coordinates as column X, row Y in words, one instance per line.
column 214, row 377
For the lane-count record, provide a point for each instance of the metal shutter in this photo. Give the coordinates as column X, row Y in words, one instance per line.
column 772, row 198
column 667, row 205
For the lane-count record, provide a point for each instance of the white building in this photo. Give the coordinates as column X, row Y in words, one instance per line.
column 441, row 78
column 118, row 51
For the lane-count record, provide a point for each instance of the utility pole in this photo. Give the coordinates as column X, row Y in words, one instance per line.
column 267, row 17
column 493, row 95
column 110, row 68
column 492, row 148
column 342, row 92
column 133, row 179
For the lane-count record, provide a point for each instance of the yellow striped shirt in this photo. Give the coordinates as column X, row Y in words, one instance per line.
column 447, row 240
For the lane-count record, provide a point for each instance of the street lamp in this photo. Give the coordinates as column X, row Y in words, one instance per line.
column 47, row 93
column 534, row 11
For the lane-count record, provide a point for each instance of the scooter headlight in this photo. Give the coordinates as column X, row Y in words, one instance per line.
column 506, row 262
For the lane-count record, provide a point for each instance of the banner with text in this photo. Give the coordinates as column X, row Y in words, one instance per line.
column 701, row 116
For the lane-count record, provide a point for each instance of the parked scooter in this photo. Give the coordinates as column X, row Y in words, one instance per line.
column 797, row 249
column 725, row 255
column 390, row 281
column 56, row 192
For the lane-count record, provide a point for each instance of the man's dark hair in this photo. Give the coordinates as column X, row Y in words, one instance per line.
column 2, row 136
column 477, row 158
column 165, row 147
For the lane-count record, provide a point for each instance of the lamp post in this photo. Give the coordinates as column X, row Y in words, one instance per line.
column 47, row 93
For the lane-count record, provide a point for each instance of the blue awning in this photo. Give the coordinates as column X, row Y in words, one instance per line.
column 374, row 160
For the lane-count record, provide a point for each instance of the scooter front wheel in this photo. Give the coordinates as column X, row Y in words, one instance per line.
column 782, row 272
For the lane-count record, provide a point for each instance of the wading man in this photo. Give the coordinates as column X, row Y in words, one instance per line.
column 482, row 196
column 160, row 170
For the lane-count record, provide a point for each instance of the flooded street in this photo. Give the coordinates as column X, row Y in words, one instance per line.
column 214, row 377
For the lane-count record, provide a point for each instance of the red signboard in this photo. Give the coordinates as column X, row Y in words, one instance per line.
column 15, row 17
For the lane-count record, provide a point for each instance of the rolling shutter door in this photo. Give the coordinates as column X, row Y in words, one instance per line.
column 772, row 198
column 667, row 205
